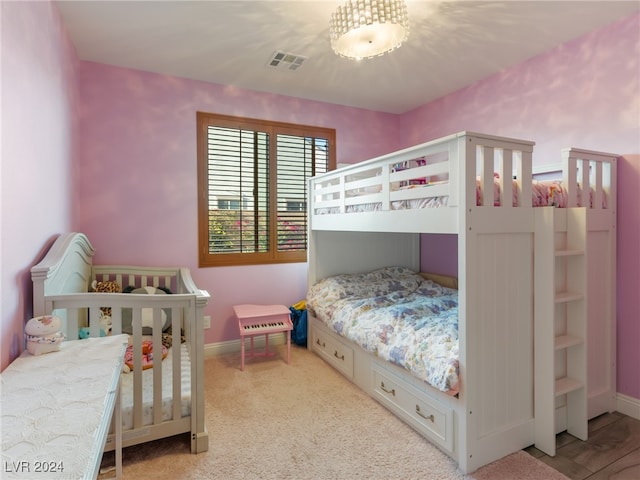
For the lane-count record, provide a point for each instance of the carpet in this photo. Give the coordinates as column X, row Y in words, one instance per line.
column 517, row 466
column 303, row 421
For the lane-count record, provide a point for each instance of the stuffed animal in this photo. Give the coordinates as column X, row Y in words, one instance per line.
column 107, row 286
column 86, row 333
column 169, row 332
column 147, row 313
column 105, row 327
column 147, row 355
column 106, row 323
column 44, row 334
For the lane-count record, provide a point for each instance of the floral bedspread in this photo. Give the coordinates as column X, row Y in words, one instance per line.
column 397, row 315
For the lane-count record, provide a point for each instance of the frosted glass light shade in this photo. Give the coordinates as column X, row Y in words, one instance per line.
column 368, row 28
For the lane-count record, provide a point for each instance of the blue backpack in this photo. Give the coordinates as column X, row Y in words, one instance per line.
column 299, row 332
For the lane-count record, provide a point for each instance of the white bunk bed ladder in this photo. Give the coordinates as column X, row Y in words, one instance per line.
column 560, row 332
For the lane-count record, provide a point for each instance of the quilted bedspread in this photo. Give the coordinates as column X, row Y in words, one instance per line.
column 398, row 316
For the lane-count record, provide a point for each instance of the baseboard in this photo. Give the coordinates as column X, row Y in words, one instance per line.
column 233, row 346
column 628, row 405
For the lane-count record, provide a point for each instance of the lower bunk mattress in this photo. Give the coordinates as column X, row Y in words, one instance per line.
column 127, row 399
column 397, row 315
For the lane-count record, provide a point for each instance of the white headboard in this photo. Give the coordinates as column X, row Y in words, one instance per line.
column 66, row 268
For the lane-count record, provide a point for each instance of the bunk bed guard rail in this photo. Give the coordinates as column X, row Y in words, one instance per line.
column 459, row 170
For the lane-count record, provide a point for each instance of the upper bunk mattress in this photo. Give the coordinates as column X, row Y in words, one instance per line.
column 397, row 315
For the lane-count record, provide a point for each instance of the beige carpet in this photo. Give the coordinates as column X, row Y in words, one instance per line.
column 303, row 421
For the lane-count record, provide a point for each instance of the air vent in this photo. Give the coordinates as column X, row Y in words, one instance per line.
column 285, row 61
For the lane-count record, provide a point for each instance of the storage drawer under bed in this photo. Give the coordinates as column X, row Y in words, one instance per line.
column 333, row 351
column 424, row 413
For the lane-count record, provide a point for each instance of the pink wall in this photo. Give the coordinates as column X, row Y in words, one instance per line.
column 586, row 94
column 138, row 188
column 136, row 197
column 39, row 98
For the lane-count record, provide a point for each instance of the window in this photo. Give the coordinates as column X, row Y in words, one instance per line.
column 229, row 203
column 252, row 185
column 296, row 206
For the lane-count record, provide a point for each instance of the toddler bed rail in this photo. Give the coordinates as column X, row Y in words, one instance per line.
column 160, row 398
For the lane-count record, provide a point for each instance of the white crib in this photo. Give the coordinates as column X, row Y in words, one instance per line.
column 167, row 399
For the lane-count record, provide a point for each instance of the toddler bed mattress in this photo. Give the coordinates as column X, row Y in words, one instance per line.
column 397, row 315
column 167, row 390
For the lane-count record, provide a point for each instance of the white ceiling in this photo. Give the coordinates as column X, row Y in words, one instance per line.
column 452, row 44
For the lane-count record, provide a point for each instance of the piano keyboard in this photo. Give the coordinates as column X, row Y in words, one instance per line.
column 262, row 328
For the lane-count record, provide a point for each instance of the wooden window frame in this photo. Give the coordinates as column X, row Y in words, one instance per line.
column 272, row 256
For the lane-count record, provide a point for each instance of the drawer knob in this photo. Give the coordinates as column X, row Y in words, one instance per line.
column 431, row 418
column 385, row 389
column 321, row 344
column 339, row 357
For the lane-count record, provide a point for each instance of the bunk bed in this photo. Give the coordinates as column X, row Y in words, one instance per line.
column 367, row 217
column 161, row 395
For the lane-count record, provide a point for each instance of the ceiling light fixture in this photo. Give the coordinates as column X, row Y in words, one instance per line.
column 368, row 28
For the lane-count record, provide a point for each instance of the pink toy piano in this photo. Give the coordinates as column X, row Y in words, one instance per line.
column 262, row 320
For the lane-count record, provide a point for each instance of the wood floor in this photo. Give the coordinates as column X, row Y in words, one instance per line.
column 612, row 451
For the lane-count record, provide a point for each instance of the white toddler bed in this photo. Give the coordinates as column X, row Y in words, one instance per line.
column 370, row 215
column 166, row 399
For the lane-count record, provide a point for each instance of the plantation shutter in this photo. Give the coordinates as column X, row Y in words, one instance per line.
column 298, row 159
column 238, row 190
column 252, row 178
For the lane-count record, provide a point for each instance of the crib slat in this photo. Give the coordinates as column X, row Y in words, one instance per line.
column 136, row 322
column 176, row 320
column 116, row 321
column 94, row 321
column 73, row 323
column 157, row 365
